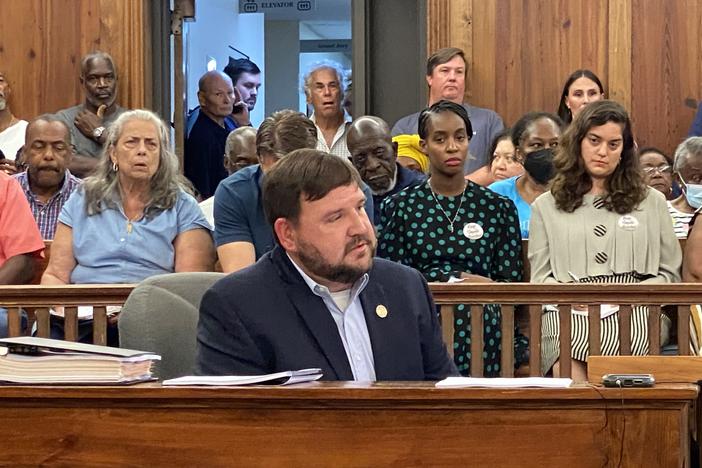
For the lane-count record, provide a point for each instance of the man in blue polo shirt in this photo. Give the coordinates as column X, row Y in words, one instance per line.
column 242, row 233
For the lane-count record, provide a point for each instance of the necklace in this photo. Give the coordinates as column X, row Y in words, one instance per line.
column 448, row 218
column 132, row 220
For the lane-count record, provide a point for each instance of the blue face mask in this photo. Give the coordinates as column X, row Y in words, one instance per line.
column 693, row 194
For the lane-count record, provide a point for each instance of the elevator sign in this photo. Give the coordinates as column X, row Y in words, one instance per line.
column 283, row 6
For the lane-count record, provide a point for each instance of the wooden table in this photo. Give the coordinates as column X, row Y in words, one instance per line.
column 345, row 424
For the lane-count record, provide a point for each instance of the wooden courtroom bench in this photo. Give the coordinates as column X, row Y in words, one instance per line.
column 346, row 424
column 37, row 299
column 510, row 295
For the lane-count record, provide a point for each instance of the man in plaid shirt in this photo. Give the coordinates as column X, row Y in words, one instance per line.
column 46, row 182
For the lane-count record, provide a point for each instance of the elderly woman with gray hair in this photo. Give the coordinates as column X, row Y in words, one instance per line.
column 133, row 218
column 687, row 168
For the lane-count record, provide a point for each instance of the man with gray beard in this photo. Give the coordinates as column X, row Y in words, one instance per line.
column 11, row 130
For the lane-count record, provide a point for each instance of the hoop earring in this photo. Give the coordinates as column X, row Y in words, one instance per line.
column 115, row 167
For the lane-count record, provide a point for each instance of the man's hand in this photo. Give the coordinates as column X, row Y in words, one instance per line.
column 8, row 166
column 87, row 122
column 240, row 114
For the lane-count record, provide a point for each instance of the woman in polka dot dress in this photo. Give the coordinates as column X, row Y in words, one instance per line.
column 600, row 223
column 449, row 227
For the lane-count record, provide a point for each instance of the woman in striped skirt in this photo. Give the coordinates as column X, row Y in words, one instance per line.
column 600, row 223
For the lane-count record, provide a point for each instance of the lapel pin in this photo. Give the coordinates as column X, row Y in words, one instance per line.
column 381, row 311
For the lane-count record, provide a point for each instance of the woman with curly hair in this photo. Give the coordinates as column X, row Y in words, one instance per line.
column 600, row 223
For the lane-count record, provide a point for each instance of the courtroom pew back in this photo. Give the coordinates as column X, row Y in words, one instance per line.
column 681, row 295
column 36, row 300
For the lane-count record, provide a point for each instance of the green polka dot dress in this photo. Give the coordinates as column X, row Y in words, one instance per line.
column 476, row 232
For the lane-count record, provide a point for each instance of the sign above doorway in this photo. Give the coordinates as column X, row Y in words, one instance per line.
column 283, row 6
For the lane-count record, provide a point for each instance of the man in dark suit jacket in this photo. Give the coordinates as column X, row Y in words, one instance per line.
column 320, row 299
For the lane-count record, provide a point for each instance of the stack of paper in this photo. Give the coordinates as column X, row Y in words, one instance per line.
column 502, row 382
column 279, row 378
column 30, row 360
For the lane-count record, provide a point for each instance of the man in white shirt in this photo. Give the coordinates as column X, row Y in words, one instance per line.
column 11, row 130
column 323, row 85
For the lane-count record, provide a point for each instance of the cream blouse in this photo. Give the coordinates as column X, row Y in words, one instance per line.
column 594, row 241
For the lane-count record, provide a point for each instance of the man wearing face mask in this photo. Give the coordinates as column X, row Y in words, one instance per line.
column 687, row 167
column 534, row 136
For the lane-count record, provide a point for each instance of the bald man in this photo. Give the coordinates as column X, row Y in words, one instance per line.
column 204, row 147
column 239, row 152
column 374, row 155
column 240, row 149
column 88, row 121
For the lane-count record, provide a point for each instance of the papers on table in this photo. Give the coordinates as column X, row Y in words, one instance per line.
column 503, row 382
column 279, row 378
column 31, row 360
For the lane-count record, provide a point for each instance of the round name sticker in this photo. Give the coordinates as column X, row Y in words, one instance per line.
column 473, row 231
column 628, row 223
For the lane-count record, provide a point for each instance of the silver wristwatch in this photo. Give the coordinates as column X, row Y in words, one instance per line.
column 97, row 133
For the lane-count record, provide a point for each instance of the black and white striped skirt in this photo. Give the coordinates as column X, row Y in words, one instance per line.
column 609, row 329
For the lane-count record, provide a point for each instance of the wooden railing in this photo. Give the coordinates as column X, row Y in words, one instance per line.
column 534, row 296
column 37, row 300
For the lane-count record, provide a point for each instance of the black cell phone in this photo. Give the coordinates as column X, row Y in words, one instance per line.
column 628, row 380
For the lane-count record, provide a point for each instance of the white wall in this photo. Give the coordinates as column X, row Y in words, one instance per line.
column 283, row 40
column 218, row 25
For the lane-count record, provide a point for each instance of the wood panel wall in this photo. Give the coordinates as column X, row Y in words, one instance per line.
column 42, row 42
column 648, row 54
